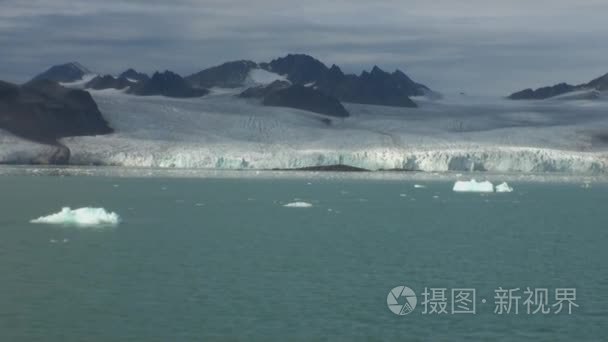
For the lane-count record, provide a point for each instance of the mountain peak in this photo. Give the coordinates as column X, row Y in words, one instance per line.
column 227, row 75
column 596, row 85
column 299, row 68
column 377, row 70
column 132, row 74
column 78, row 66
column 167, row 83
column 68, row 72
column 600, row 83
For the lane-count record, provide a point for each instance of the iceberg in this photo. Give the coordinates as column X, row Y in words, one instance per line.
column 473, row 186
column 82, row 217
column 504, row 187
column 298, row 205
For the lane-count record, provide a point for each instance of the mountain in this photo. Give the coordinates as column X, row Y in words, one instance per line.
column 306, row 98
column 599, row 84
column 376, row 87
column 167, row 84
column 108, row 82
column 543, row 93
column 44, row 111
column 300, row 69
column 284, row 94
column 228, row 75
column 68, row 72
column 133, row 75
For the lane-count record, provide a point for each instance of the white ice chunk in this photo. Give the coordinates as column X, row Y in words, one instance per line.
column 473, row 186
column 298, row 205
column 504, row 187
column 82, row 217
column 419, row 186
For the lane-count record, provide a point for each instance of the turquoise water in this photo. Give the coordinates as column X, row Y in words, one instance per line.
column 206, row 259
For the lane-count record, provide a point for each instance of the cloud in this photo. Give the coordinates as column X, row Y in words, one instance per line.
column 472, row 45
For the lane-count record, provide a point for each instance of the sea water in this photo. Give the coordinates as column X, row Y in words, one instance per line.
column 228, row 258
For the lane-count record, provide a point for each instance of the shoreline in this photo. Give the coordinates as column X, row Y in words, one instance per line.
column 380, row 175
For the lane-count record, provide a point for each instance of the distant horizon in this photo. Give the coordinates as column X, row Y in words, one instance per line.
column 479, row 47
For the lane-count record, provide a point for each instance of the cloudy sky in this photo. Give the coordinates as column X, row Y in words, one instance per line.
column 477, row 46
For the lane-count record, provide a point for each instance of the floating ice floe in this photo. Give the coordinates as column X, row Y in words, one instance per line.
column 473, row 186
column 419, row 186
column 504, row 187
column 82, row 217
column 298, row 205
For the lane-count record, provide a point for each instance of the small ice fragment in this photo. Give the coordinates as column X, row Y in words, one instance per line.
column 419, row 186
column 66, row 240
column 435, row 196
column 53, row 241
column 402, row 195
column 473, row 186
column 298, row 205
column 199, row 204
column 115, row 185
column 504, row 187
column 82, row 217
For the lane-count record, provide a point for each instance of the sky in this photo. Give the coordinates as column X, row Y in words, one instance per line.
column 475, row 46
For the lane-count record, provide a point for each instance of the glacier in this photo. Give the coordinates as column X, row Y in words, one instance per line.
column 221, row 131
column 82, row 217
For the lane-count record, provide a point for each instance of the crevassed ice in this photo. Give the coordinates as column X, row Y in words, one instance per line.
column 82, row 217
column 225, row 132
column 473, row 186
